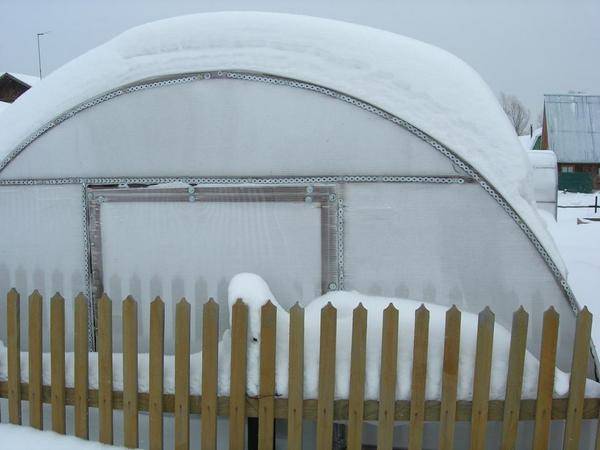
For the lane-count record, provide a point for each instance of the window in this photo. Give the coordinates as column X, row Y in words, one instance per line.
column 566, row 169
column 176, row 242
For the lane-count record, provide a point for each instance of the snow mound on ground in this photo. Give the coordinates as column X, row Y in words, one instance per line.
column 17, row 436
column 255, row 292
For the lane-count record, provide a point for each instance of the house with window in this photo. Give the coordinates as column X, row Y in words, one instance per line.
column 13, row 85
column 571, row 128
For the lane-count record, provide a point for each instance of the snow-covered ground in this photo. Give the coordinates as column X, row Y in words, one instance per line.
column 579, row 245
column 14, row 437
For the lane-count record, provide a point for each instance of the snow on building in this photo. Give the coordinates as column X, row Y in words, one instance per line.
column 13, row 85
column 318, row 154
column 572, row 130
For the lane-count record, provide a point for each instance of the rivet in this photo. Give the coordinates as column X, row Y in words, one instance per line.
column 191, row 190
column 332, row 286
column 332, row 197
column 308, row 199
column 310, row 189
column 192, row 198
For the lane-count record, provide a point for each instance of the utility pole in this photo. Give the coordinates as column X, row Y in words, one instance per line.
column 39, row 53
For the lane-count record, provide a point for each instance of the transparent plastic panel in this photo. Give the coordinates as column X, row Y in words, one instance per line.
column 226, row 128
column 41, row 247
column 193, row 250
column 448, row 244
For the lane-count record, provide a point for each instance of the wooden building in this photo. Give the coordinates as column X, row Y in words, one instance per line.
column 13, row 85
column 571, row 129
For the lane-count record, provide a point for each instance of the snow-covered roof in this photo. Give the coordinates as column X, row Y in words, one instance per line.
column 428, row 87
column 3, row 106
column 29, row 80
column 573, row 122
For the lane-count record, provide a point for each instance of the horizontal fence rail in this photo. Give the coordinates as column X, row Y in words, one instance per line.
column 267, row 405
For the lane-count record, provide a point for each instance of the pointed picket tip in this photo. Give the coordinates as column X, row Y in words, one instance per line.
column 211, row 305
column 328, row 307
column 157, row 301
column 239, row 301
column 269, row 306
column 104, row 298
column 422, row 309
column 296, row 309
column 57, row 298
column 183, row 303
column 35, row 296
column 13, row 291
column 129, row 299
column 211, row 301
column 521, row 312
column 360, row 310
column 390, row 308
column 453, row 309
column 81, row 298
column 585, row 313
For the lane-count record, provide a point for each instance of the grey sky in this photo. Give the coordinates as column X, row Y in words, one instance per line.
column 527, row 48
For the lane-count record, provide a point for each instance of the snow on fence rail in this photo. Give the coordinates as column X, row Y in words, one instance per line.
column 325, row 409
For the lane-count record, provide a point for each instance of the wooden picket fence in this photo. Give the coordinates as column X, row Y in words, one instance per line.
column 325, row 409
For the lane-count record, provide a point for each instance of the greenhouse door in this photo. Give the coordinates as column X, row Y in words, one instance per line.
column 176, row 242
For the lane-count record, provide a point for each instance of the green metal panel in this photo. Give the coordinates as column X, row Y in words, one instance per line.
column 575, row 181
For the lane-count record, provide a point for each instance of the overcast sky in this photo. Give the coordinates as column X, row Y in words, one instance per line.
column 526, row 48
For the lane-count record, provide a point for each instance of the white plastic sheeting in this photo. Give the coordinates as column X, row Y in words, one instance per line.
column 544, row 179
column 41, row 247
column 226, row 128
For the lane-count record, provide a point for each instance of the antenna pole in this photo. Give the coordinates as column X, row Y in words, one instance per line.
column 39, row 52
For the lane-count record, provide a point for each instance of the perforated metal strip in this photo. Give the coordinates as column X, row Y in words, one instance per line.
column 270, row 79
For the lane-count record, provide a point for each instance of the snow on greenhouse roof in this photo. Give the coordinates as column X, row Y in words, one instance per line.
column 421, row 84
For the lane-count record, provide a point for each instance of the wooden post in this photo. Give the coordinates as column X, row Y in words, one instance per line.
column 13, row 328
column 210, row 373
column 266, row 401
column 105, row 370
column 237, row 387
column 514, row 379
column 80, row 345
column 295, row 378
column 57, row 357
column 36, row 418
column 419, row 377
column 449, row 378
column 357, row 377
column 327, row 350
column 182, row 375
column 130, row 373
column 581, row 353
column 481, row 378
column 156, row 371
column 545, row 391
column 388, row 378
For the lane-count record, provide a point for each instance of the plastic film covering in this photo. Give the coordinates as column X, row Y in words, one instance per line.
column 41, row 247
column 447, row 244
column 217, row 128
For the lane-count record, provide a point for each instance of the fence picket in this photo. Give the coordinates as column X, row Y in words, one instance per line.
column 449, row 378
column 514, row 379
column 156, row 369
column 130, row 373
column 419, row 377
column 266, row 401
column 182, row 375
column 481, row 378
column 237, row 387
column 105, row 370
column 80, row 346
column 57, row 358
column 387, row 379
column 326, row 377
column 357, row 377
column 581, row 353
column 210, row 358
column 13, row 328
column 543, row 405
column 295, row 378
column 36, row 417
